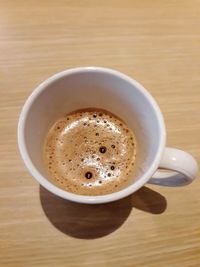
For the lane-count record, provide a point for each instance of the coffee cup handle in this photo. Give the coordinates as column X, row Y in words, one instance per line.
column 177, row 168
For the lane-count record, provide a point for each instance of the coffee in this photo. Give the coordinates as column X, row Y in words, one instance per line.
column 90, row 152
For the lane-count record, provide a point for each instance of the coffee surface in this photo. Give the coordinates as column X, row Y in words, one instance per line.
column 90, row 152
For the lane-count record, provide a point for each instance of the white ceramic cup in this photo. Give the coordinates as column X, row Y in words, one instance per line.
column 113, row 91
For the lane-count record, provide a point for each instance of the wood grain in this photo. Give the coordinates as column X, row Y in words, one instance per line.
column 157, row 43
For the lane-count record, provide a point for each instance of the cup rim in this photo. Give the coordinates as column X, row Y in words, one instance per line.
column 82, row 198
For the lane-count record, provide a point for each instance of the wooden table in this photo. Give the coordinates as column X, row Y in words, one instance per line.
column 156, row 42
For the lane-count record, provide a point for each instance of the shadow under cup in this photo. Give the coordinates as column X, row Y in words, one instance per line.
column 92, row 87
